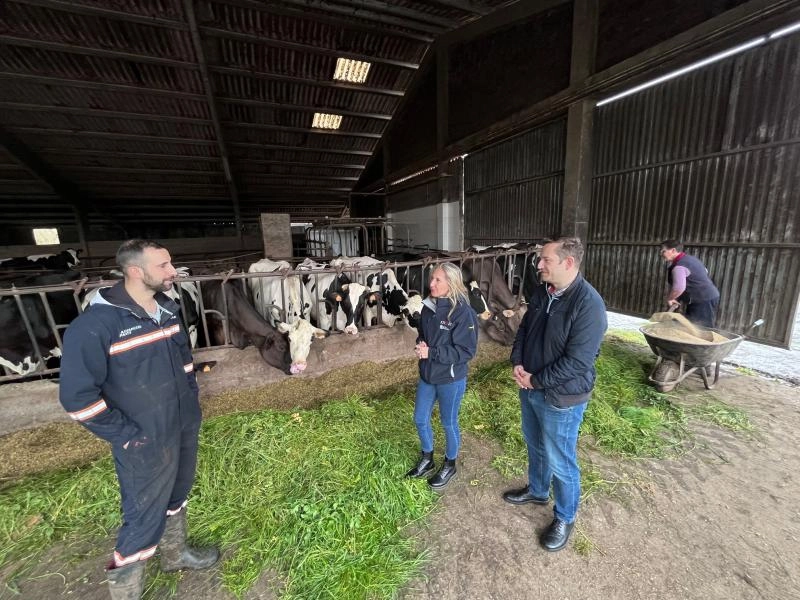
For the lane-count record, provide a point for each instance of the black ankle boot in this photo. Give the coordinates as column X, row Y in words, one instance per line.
column 445, row 474
column 424, row 466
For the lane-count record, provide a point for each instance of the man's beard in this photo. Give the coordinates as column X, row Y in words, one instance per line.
column 158, row 286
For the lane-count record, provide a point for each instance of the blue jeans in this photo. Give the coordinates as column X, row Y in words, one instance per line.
column 449, row 395
column 552, row 437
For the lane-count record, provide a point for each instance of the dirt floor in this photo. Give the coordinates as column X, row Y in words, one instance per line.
column 721, row 522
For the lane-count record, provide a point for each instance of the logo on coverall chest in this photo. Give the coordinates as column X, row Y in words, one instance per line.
column 130, row 330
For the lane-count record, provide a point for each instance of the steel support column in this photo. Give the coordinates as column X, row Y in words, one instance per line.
column 578, row 160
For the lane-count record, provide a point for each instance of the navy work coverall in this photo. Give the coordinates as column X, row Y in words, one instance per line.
column 130, row 380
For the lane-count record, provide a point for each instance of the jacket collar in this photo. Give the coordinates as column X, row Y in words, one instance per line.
column 569, row 290
column 118, row 296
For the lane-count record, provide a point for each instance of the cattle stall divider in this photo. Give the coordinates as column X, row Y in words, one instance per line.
column 507, row 259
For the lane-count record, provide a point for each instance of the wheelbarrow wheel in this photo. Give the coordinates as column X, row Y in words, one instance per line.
column 710, row 375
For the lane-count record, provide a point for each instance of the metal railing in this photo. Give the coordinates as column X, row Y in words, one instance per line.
column 80, row 288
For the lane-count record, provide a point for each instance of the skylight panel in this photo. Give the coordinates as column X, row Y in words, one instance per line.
column 326, row 121
column 352, row 71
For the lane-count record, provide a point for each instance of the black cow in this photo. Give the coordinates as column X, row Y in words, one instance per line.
column 246, row 327
column 18, row 350
column 64, row 260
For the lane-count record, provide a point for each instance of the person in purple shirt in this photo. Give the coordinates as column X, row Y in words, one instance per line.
column 689, row 285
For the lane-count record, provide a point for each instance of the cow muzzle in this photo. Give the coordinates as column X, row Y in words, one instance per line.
column 297, row 367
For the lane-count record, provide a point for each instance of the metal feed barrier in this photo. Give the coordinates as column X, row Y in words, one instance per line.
column 81, row 287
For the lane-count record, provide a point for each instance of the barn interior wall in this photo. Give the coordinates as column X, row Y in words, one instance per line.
column 429, row 227
column 413, row 131
column 713, row 159
column 500, row 73
column 513, row 191
column 103, row 252
column 627, row 27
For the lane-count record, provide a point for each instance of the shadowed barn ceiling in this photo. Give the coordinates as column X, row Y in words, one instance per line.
column 173, row 110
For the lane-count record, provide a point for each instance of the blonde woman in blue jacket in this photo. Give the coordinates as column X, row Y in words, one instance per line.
column 448, row 339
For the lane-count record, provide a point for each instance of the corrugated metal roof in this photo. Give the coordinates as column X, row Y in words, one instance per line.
column 127, row 99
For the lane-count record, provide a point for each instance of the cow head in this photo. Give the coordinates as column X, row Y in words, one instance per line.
column 477, row 300
column 413, row 309
column 275, row 352
column 300, row 333
column 72, row 257
column 503, row 325
column 353, row 302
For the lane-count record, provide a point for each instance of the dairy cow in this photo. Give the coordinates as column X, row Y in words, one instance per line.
column 415, row 278
column 20, row 350
column 336, row 301
column 506, row 309
column 382, row 287
column 245, row 326
column 276, row 294
column 63, row 261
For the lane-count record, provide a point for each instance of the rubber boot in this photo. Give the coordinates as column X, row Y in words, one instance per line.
column 424, row 466
column 126, row 583
column 445, row 474
column 176, row 554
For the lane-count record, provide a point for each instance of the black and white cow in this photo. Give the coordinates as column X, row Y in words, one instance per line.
column 277, row 293
column 18, row 346
column 383, row 288
column 336, row 301
column 415, row 278
column 64, row 260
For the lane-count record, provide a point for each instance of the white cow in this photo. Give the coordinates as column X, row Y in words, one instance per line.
column 273, row 294
column 300, row 333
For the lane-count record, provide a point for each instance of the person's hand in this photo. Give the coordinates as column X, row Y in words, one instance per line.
column 421, row 350
column 522, row 377
column 673, row 305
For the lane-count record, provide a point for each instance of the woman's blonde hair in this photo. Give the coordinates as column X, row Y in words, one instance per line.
column 455, row 282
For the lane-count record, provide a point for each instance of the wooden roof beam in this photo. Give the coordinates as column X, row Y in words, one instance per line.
column 306, row 48
column 197, row 42
column 353, row 87
column 338, row 22
column 108, row 13
column 99, row 52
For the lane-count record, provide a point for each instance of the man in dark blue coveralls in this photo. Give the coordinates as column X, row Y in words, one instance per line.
column 127, row 375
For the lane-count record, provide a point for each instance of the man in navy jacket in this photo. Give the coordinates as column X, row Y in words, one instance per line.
column 553, row 357
column 127, row 376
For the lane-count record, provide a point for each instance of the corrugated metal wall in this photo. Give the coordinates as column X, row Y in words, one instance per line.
column 713, row 159
column 513, row 191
